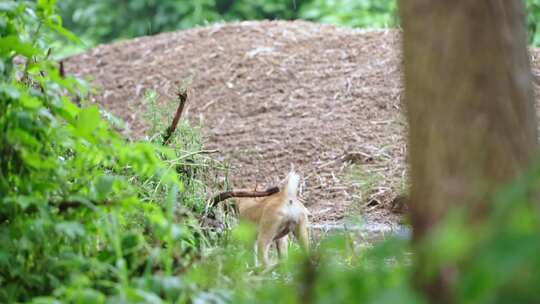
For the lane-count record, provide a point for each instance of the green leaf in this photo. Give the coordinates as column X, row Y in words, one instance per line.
column 45, row 300
column 9, row 91
column 67, row 110
column 104, row 186
column 23, row 201
column 131, row 242
column 30, row 102
column 22, row 137
column 8, row 6
column 35, row 160
column 88, row 120
column 83, row 200
column 63, row 32
column 89, row 296
column 70, row 229
column 12, row 43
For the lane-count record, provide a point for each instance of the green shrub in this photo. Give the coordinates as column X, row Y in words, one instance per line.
column 84, row 214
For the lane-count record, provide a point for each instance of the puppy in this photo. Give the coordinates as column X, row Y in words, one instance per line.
column 276, row 216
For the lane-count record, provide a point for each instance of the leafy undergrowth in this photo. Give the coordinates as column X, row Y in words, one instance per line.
column 85, row 213
column 88, row 217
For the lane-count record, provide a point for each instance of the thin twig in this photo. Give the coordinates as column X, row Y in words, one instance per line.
column 192, row 154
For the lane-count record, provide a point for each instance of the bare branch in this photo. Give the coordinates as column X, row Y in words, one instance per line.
column 182, row 98
column 61, row 69
column 64, row 206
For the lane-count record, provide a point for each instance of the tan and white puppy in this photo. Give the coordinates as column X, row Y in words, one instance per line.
column 276, row 216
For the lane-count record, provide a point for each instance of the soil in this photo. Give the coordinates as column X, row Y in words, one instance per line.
column 269, row 95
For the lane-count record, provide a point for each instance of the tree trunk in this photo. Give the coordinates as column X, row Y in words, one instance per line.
column 470, row 109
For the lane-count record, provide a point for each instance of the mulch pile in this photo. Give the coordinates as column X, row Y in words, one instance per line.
column 271, row 94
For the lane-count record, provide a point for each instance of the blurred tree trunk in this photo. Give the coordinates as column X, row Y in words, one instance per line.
column 470, row 108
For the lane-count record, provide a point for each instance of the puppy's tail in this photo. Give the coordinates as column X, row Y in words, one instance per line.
column 293, row 181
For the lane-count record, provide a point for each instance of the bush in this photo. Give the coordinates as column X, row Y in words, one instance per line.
column 85, row 214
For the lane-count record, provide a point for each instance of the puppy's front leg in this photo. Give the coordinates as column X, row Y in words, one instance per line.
column 263, row 243
column 267, row 232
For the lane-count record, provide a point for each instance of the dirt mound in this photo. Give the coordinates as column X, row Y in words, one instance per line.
column 272, row 94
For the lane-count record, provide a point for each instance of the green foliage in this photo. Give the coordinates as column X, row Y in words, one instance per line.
column 103, row 21
column 533, row 21
column 262, row 9
column 108, row 20
column 497, row 261
column 84, row 213
column 354, row 13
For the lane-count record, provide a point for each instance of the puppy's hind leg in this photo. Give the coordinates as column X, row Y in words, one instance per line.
column 282, row 246
column 301, row 234
column 256, row 254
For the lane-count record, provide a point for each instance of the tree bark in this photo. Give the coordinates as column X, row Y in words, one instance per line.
column 470, row 108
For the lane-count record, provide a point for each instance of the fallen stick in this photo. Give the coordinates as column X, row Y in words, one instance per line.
column 240, row 193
